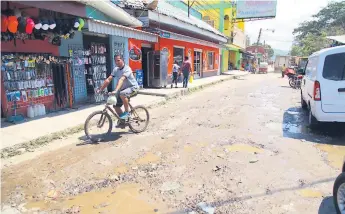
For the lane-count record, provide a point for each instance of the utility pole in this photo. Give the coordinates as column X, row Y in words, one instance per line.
column 257, row 43
column 189, row 6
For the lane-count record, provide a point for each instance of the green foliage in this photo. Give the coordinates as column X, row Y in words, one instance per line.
column 311, row 35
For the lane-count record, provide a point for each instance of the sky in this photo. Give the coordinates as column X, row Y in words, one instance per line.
column 289, row 14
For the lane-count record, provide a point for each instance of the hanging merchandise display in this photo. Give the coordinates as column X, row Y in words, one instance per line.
column 95, row 69
column 76, row 53
column 14, row 26
column 28, row 80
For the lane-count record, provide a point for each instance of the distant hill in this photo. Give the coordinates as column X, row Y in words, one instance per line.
column 279, row 52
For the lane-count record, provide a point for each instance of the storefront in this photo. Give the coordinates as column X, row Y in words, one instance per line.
column 100, row 42
column 204, row 56
column 231, row 55
column 35, row 78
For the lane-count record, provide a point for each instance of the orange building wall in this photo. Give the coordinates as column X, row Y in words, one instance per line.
column 189, row 47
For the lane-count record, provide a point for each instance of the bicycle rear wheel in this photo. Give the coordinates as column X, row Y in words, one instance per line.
column 98, row 121
column 139, row 119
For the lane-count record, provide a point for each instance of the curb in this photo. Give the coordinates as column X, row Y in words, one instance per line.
column 185, row 91
column 29, row 146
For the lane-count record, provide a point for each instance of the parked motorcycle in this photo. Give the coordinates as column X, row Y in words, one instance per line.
column 295, row 81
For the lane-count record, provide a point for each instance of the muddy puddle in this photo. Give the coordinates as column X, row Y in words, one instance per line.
column 124, row 199
column 335, row 154
column 242, row 148
column 310, row 193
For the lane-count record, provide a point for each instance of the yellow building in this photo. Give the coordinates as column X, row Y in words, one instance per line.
column 222, row 16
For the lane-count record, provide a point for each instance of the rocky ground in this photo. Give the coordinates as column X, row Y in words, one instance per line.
column 241, row 146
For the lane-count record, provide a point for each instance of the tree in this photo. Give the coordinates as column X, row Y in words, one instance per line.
column 296, row 50
column 270, row 51
column 311, row 35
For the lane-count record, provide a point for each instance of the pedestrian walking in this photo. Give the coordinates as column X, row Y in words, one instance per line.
column 186, row 70
column 176, row 71
column 283, row 70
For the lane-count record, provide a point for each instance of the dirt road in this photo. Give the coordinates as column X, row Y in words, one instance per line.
column 239, row 147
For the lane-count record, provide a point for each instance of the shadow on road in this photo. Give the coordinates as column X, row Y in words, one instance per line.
column 295, row 126
column 271, row 192
column 114, row 136
column 327, row 206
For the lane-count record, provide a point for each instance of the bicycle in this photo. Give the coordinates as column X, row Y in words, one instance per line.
column 131, row 121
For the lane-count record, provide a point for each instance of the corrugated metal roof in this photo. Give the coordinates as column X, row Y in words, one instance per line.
column 169, row 10
column 103, row 27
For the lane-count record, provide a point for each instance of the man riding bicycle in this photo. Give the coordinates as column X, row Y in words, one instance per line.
column 126, row 87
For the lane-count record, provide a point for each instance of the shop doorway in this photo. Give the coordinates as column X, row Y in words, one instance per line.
column 144, row 50
column 98, row 67
column 197, row 64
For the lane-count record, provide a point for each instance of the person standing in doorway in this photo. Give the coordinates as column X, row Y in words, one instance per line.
column 186, row 70
column 175, row 73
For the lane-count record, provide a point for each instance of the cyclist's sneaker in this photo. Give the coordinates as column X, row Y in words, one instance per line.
column 124, row 116
column 120, row 125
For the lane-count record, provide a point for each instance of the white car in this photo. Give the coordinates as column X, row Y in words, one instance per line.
column 323, row 86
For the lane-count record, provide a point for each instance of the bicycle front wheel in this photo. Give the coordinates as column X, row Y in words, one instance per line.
column 139, row 119
column 97, row 126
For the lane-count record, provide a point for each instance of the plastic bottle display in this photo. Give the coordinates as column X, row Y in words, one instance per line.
column 30, row 112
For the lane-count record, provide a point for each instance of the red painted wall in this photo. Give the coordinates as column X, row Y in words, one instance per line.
column 189, row 51
column 30, row 46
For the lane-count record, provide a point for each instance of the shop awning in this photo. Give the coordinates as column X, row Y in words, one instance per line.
column 180, row 37
column 113, row 11
column 232, row 47
column 108, row 28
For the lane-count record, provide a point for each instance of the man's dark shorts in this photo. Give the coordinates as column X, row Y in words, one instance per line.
column 128, row 92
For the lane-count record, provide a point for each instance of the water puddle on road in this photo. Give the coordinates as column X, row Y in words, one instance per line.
column 309, row 193
column 288, row 127
column 124, row 199
column 242, row 148
column 335, row 154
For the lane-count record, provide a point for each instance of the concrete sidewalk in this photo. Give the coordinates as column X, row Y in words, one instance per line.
column 197, row 84
column 55, row 123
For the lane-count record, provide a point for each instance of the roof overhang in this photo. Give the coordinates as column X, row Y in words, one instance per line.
column 102, row 27
column 179, row 37
column 173, row 23
column 113, row 11
column 340, row 38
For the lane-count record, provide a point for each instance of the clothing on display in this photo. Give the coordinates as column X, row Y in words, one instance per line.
column 95, row 69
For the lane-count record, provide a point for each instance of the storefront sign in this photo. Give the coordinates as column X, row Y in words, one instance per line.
column 256, row 9
column 164, row 34
column 139, row 76
column 135, row 53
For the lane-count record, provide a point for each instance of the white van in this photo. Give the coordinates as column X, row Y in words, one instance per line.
column 323, row 86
